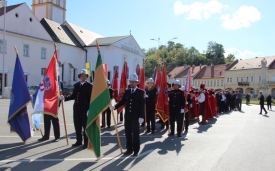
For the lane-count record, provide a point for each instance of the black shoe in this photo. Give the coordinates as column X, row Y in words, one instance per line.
column 85, row 146
column 56, row 140
column 135, row 154
column 43, row 139
column 265, row 113
column 260, row 113
column 153, row 131
column 179, row 135
column 76, row 144
column 109, row 127
column 171, row 134
column 148, row 131
column 162, row 127
column 102, row 126
column 128, row 152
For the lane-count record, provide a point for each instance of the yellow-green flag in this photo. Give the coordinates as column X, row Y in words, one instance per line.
column 100, row 99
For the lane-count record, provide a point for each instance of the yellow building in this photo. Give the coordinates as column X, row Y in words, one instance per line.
column 251, row 76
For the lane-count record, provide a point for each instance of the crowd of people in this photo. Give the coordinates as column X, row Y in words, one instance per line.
column 184, row 105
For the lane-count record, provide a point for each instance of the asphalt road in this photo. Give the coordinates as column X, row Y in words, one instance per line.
column 234, row 141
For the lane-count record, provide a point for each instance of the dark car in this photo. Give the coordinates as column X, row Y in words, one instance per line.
column 67, row 91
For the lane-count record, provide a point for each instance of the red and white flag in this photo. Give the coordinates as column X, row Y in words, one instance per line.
column 47, row 96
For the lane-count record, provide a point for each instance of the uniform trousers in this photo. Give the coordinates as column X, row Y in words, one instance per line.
column 132, row 135
column 108, row 113
column 176, row 115
column 47, row 126
column 80, row 121
column 150, row 117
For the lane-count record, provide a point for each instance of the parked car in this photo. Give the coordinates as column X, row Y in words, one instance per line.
column 67, row 91
column 32, row 89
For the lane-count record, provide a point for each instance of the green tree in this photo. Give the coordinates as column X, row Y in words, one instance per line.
column 215, row 53
column 230, row 58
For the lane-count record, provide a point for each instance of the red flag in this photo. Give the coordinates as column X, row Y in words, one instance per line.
column 105, row 68
column 141, row 79
column 123, row 84
column 47, row 96
column 138, row 70
column 163, row 105
column 115, row 83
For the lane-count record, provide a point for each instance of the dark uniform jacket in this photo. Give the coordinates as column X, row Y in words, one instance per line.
column 134, row 108
column 81, row 95
column 268, row 99
column 176, row 99
column 261, row 99
column 152, row 94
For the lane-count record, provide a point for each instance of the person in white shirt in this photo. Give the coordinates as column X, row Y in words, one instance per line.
column 223, row 100
column 201, row 100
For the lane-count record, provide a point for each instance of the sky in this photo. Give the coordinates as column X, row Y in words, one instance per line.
column 245, row 28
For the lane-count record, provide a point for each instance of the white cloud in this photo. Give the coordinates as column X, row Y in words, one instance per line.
column 240, row 54
column 242, row 18
column 198, row 10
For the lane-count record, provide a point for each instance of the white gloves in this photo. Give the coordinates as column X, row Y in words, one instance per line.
column 111, row 107
column 61, row 97
column 146, row 96
column 140, row 120
column 191, row 105
column 186, row 102
column 182, row 111
column 168, row 99
column 87, row 113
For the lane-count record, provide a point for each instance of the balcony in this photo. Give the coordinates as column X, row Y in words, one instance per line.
column 243, row 83
column 271, row 82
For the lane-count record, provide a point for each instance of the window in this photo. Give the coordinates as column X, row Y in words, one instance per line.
column 241, row 79
column 74, row 75
column 3, row 48
column 260, row 78
column 252, row 79
column 199, row 82
column 218, row 82
column 43, row 70
column 43, row 53
column 207, row 82
column 231, row 80
column 25, row 50
column 237, row 79
column 214, row 82
column 211, row 82
column 246, row 79
column 228, row 80
column 221, row 82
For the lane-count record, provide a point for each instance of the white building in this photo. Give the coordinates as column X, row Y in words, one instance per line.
column 75, row 45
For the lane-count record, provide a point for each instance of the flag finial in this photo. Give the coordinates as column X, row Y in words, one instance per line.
column 15, row 49
column 97, row 46
column 54, row 46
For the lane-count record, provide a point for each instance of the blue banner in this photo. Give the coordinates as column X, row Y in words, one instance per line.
column 18, row 115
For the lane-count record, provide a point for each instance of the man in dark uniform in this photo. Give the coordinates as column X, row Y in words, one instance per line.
column 47, row 124
column 261, row 98
column 107, row 111
column 268, row 102
column 228, row 101
column 233, row 100
column 176, row 107
column 134, row 113
column 189, row 104
column 151, row 93
column 82, row 95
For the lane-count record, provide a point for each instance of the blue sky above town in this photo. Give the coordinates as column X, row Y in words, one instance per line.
column 245, row 28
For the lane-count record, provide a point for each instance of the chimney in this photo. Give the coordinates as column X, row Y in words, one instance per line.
column 193, row 67
column 200, row 66
column 220, row 73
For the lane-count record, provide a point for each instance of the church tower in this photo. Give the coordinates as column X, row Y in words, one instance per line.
column 51, row 9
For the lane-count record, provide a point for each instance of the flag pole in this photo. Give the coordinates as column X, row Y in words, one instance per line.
column 145, row 120
column 62, row 104
column 115, row 125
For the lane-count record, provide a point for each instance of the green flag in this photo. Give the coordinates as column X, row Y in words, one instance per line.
column 100, row 99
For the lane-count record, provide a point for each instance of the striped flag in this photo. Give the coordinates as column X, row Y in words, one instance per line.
column 100, row 99
column 48, row 96
column 188, row 84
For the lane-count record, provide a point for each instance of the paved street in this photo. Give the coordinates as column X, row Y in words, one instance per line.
column 235, row 141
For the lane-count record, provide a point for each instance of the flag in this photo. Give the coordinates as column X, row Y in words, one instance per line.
column 105, row 68
column 188, row 84
column 48, row 95
column 88, row 68
column 115, row 83
column 18, row 117
column 100, row 99
column 35, row 117
column 162, row 104
column 123, row 84
column 138, row 70
column 141, row 79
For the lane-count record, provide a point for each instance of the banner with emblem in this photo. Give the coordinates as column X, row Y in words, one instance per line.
column 18, row 117
column 115, row 83
column 48, row 96
column 123, row 84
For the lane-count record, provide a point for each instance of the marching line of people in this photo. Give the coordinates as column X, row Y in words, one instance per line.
column 183, row 106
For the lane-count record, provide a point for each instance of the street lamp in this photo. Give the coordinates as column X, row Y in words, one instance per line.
column 159, row 42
